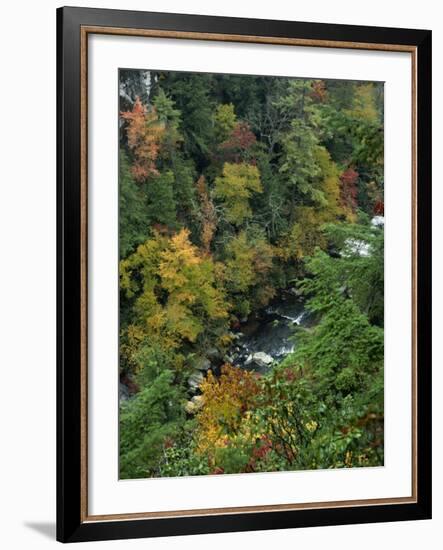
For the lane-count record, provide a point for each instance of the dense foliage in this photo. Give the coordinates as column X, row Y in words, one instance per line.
column 233, row 189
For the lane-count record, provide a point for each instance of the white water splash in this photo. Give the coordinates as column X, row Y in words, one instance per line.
column 284, row 350
column 378, row 221
column 357, row 247
column 294, row 320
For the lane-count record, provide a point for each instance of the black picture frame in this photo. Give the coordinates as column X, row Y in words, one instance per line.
column 71, row 523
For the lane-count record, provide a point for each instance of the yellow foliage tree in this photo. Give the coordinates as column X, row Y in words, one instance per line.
column 248, row 264
column 177, row 291
column 224, row 121
column 227, row 403
column 364, row 106
column 306, row 232
column 235, row 187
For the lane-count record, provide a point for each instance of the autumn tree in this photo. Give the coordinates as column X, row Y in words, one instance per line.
column 224, row 122
column 238, row 144
column 318, row 91
column 234, row 188
column 364, row 103
column 349, row 190
column 144, row 133
column 237, row 192
column 249, row 261
column 306, row 233
column 178, row 296
column 223, row 419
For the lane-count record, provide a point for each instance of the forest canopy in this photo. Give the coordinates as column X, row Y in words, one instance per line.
column 241, row 197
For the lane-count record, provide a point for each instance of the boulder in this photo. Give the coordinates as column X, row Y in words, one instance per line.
column 203, row 364
column 295, row 291
column 262, row 359
column 378, row 221
column 195, row 379
column 194, row 404
column 213, row 354
column 123, row 392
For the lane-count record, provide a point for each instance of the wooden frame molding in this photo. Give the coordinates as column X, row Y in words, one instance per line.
column 281, row 41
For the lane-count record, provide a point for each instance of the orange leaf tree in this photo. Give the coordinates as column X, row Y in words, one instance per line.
column 144, row 132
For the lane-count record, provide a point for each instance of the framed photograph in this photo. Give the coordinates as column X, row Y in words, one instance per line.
column 244, row 274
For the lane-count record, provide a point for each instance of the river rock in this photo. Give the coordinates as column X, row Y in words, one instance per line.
column 213, row 354
column 195, row 379
column 194, row 404
column 378, row 221
column 123, row 392
column 295, row 291
column 203, row 364
column 262, row 359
